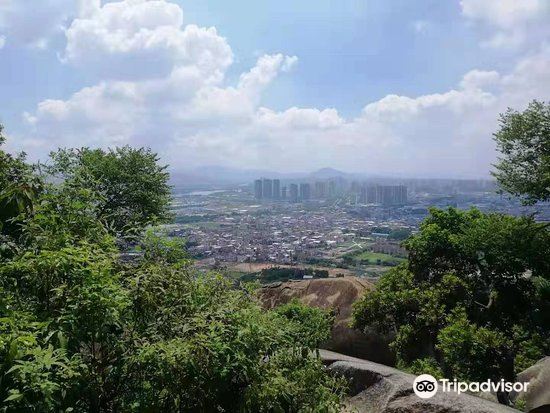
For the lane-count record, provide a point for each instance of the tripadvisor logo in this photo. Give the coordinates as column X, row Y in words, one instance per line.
column 425, row 386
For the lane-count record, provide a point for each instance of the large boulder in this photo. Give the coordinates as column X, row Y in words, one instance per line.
column 375, row 388
column 338, row 294
column 537, row 396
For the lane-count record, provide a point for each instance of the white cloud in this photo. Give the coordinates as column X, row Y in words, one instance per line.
column 529, row 80
column 298, row 119
column 449, row 131
column 516, row 21
column 265, row 71
column 2, row 41
column 504, row 13
column 400, row 108
column 186, row 110
column 139, row 38
column 477, row 79
column 157, row 110
column 33, row 23
column 87, row 8
column 505, row 40
column 106, row 114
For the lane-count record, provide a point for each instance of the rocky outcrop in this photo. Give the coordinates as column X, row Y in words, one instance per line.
column 537, row 396
column 375, row 388
column 338, row 294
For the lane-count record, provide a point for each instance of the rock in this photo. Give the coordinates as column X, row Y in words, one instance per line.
column 375, row 388
column 537, row 396
column 329, row 357
column 338, row 294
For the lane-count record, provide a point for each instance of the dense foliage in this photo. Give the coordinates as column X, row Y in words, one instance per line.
column 473, row 301
column 83, row 330
column 19, row 187
column 133, row 187
column 524, row 142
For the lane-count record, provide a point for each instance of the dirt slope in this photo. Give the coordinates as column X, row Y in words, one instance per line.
column 338, row 294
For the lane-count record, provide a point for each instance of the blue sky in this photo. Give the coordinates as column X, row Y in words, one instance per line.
column 350, row 51
column 403, row 87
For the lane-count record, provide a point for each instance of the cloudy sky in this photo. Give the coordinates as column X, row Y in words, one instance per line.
column 394, row 87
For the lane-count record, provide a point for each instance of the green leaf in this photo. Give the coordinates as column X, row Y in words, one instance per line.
column 14, row 396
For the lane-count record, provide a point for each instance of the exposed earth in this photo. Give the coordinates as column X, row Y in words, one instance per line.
column 337, row 294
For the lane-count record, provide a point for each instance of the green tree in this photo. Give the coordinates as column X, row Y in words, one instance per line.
column 523, row 140
column 472, row 278
column 132, row 187
column 472, row 352
column 65, row 215
column 312, row 326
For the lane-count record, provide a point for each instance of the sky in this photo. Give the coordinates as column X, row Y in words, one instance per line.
column 386, row 87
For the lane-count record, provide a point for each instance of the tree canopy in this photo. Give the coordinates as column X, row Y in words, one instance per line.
column 473, row 300
column 132, row 188
column 524, row 143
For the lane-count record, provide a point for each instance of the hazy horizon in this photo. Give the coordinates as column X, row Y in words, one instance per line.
column 373, row 87
column 211, row 175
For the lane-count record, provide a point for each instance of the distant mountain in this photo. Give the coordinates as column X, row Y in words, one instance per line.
column 219, row 176
column 222, row 176
column 327, row 173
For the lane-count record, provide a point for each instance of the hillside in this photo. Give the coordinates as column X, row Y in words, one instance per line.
column 337, row 294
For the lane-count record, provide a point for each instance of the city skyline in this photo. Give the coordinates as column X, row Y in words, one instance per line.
column 215, row 176
column 364, row 192
column 364, row 86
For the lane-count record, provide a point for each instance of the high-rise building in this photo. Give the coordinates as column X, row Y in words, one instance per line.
column 363, row 195
column 267, row 189
column 385, row 195
column 293, row 193
column 399, row 195
column 305, row 191
column 320, row 190
column 332, row 189
column 391, row 195
column 402, row 195
column 276, row 189
column 283, row 192
column 371, row 194
column 258, row 189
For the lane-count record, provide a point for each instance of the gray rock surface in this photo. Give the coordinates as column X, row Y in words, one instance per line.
column 537, row 397
column 328, row 357
column 376, row 388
